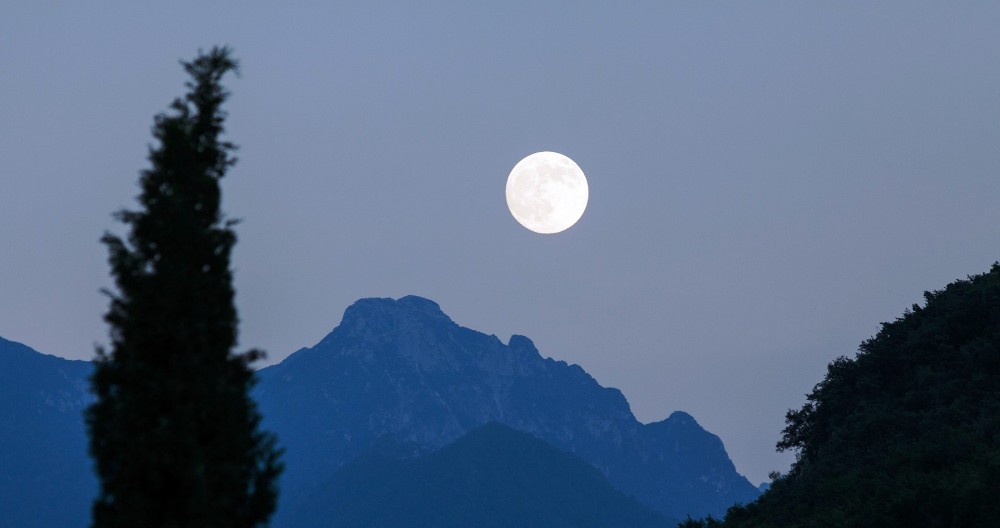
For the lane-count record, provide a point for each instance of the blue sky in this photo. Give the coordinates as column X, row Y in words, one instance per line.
column 768, row 182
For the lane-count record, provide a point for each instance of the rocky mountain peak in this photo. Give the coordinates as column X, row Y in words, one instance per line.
column 521, row 343
column 384, row 310
column 682, row 419
column 373, row 319
column 402, row 368
column 398, row 370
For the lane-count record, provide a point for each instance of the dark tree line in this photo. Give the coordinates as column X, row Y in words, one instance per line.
column 173, row 432
column 906, row 433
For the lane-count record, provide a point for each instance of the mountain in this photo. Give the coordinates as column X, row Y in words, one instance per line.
column 45, row 477
column 398, row 369
column 907, row 432
column 491, row 477
column 403, row 368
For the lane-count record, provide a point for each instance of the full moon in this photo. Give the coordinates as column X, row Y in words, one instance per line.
column 547, row 192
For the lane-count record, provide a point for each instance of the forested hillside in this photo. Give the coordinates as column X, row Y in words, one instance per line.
column 907, row 433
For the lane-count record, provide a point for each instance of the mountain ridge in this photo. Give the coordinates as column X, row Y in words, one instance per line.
column 397, row 367
column 44, row 457
column 404, row 368
column 492, row 476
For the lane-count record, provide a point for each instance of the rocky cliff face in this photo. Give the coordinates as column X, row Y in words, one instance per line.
column 402, row 368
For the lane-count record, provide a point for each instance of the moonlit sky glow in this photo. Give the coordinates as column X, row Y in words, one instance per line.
column 768, row 180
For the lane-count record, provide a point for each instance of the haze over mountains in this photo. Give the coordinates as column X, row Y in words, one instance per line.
column 394, row 372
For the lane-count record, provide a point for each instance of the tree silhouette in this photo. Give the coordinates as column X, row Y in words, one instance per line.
column 174, row 433
column 907, row 432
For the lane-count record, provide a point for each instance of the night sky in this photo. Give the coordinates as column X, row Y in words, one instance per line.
column 768, row 182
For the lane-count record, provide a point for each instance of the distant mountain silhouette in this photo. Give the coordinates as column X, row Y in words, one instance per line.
column 493, row 477
column 403, row 368
column 398, row 369
column 45, row 476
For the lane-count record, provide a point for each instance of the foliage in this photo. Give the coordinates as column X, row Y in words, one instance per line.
column 907, row 433
column 708, row 522
column 173, row 432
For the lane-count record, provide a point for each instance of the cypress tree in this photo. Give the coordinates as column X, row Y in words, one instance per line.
column 173, row 432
